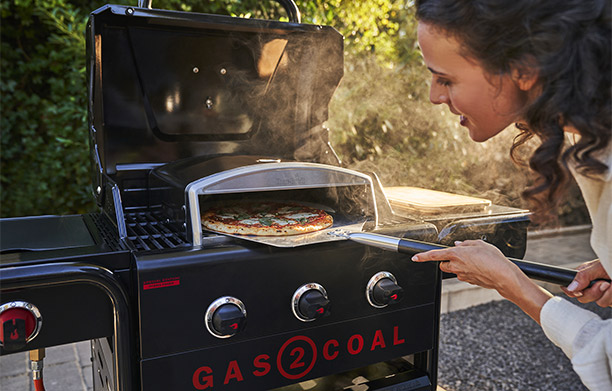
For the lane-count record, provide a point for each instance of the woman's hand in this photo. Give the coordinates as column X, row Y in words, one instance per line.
column 483, row 264
column 475, row 262
column 600, row 292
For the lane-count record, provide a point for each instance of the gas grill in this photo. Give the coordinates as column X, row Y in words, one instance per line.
column 191, row 110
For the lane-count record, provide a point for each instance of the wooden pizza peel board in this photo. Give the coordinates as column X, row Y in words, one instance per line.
column 415, row 200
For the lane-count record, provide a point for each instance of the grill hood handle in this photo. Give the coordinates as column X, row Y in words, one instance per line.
column 289, row 5
column 537, row 271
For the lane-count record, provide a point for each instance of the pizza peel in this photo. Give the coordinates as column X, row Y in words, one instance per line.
column 341, row 223
column 351, row 230
column 290, row 241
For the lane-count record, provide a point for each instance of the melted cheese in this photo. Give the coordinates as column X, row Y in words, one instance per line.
column 250, row 221
column 301, row 215
column 284, row 222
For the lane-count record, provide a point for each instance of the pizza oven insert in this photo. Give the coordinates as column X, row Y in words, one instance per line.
column 186, row 110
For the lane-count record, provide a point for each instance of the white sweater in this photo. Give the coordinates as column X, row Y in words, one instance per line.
column 582, row 335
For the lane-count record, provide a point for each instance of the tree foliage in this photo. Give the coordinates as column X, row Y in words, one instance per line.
column 44, row 137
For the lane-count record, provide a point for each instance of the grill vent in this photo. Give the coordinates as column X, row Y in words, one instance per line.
column 106, row 230
column 151, row 231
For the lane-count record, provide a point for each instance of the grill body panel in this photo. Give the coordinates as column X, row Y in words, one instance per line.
column 174, row 337
column 265, row 279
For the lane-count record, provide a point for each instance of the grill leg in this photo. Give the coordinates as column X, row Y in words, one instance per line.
column 102, row 365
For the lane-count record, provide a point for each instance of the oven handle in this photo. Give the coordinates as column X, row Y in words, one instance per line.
column 61, row 273
column 292, row 9
column 538, row 271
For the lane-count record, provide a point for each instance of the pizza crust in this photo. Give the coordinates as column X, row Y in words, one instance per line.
column 266, row 219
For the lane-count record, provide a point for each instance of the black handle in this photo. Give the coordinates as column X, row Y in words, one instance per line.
column 538, row 271
column 408, row 246
column 553, row 274
column 293, row 11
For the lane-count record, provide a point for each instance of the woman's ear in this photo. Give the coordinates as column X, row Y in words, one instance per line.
column 525, row 77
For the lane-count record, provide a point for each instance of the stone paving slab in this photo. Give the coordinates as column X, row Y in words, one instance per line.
column 83, row 350
column 561, row 250
column 568, row 249
column 66, row 368
column 14, row 374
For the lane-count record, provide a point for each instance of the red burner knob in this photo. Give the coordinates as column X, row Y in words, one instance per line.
column 19, row 323
column 310, row 302
column 382, row 290
column 225, row 317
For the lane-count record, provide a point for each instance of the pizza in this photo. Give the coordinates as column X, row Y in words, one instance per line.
column 265, row 218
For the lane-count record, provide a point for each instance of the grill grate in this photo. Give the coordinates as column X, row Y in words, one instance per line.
column 150, row 230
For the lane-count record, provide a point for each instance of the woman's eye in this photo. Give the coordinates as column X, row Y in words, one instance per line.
column 443, row 82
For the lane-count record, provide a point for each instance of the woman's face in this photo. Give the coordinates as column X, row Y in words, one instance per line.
column 486, row 104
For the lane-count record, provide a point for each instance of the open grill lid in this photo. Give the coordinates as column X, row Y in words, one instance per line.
column 167, row 85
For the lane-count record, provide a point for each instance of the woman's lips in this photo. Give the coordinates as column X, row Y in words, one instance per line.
column 462, row 120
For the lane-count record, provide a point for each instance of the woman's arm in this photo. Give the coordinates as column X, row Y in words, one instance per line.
column 583, row 336
column 483, row 264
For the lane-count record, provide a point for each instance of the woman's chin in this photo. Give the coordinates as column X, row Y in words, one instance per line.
column 480, row 136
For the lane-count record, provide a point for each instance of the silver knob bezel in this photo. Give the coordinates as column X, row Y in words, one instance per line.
column 29, row 307
column 372, row 283
column 208, row 317
column 295, row 300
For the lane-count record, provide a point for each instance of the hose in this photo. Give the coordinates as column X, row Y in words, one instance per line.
column 38, row 385
column 36, row 363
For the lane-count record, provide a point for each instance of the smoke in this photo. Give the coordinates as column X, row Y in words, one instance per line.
column 382, row 121
column 249, row 90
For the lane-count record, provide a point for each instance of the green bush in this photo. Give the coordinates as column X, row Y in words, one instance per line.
column 44, row 133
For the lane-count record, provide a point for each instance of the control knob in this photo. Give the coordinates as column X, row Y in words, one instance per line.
column 20, row 322
column 310, row 302
column 382, row 290
column 225, row 317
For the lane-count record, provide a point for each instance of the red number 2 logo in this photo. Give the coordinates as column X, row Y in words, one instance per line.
column 298, row 361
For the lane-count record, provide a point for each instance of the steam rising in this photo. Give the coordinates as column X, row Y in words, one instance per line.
column 382, row 121
column 256, row 91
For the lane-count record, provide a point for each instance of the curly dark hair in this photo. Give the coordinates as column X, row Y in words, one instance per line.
column 569, row 44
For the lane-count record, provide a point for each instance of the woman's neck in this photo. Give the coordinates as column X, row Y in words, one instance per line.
column 570, row 129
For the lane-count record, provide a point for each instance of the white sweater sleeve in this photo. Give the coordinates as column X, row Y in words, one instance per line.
column 584, row 337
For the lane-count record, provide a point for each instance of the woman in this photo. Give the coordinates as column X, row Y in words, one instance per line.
column 544, row 65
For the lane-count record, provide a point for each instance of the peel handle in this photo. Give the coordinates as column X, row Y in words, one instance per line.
column 537, row 271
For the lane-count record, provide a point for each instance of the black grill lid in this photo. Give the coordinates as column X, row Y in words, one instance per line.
column 167, row 85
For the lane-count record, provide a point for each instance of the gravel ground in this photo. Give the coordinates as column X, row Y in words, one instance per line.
column 495, row 346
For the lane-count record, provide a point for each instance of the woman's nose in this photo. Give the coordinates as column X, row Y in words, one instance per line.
column 438, row 94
